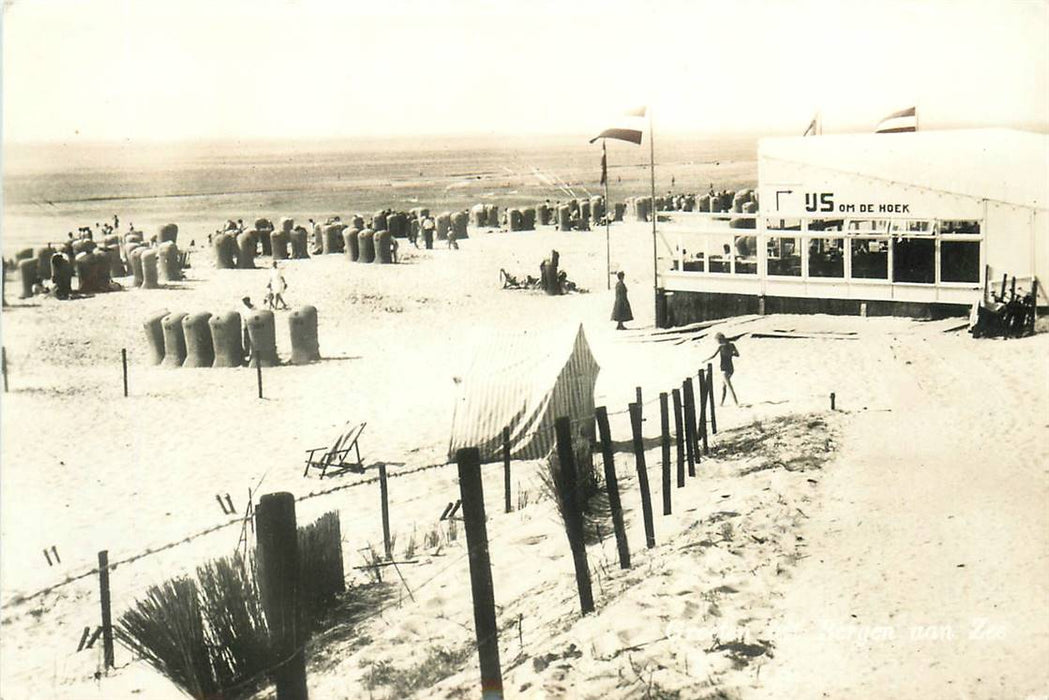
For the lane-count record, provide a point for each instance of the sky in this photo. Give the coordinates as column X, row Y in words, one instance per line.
column 149, row 70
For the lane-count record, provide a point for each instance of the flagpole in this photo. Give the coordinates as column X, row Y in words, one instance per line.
column 608, row 245
column 652, row 173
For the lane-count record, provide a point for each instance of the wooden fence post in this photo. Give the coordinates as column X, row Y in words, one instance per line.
column 472, row 492
column 278, row 574
column 384, row 494
column 832, row 397
column 506, row 469
column 107, row 613
column 612, row 487
column 571, row 499
column 704, row 392
column 679, row 438
column 637, row 395
column 258, row 371
column 642, row 475
column 710, row 393
column 123, row 361
column 664, row 427
column 690, row 424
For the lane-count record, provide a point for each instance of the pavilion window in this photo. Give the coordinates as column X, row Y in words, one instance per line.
column 870, row 258
column 784, row 257
column 826, row 257
column 960, row 261
column 914, row 260
column 746, row 248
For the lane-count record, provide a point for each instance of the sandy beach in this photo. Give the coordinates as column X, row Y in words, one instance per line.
column 896, row 546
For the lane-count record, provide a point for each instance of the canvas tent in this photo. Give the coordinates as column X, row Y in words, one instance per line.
column 524, row 382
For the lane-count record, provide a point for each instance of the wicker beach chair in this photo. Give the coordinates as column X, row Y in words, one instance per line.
column 335, row 460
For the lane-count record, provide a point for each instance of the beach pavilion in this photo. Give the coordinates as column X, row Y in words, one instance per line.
column 916, row 224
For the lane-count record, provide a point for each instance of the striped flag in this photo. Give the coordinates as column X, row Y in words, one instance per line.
column 630, row 128
column 898, row 122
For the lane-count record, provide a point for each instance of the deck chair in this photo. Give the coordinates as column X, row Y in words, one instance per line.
column 335, row 460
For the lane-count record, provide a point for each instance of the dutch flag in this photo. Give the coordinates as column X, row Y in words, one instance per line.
column 629, row 129
column 899, row 122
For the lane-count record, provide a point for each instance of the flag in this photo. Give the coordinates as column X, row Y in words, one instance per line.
column 898, row 122
column 604, row 164
column 814, row 126
column 630, row 128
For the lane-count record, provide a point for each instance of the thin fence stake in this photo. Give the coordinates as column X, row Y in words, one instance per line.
column 258, row 371
column 832, row 400
column 384, row 494
column 472, row 491
column 506, row 470
column 571, row 498
column 690, row 424
column 642, row 475
column 664, row 428
column 107, row 613
column 123, row 361
column 612, row 487
column 710, row 393
column 679, row 438
column 278, row 572
column 704, row 393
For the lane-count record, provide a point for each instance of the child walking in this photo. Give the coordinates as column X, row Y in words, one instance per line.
column 727, row 350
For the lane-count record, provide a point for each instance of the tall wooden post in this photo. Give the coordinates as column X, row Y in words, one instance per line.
column 107, row 613
column 278, row 574
column 690, row 424
column 506, row 469
column 704, row 394
column 679, row 438
column 384, row 494
column 123, row 362
column 664, row 428
column 710, row 393
column 258, row 372
column 642, row 475
column 612, row 487
column 568, row 489
column 472, row 492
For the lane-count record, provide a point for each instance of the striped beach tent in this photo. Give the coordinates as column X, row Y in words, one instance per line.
column 524, row 382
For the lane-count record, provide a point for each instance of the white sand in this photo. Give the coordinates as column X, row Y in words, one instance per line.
column 942, row 462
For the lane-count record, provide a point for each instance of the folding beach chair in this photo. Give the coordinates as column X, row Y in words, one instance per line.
column 334, row 460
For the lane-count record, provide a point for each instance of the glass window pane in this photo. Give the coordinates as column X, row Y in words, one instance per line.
column 972, row 227
column 868, row 225
column 783, row 224
column 826, row 224
column 692, row 260
column 784, row 257
column 914, row 260
column 870, row 259
column 720, row 253
column 900, row 226
column 746, row 255
column 960, row 261
column 826, row 258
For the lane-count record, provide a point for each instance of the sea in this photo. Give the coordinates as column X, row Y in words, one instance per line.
column 52, row 189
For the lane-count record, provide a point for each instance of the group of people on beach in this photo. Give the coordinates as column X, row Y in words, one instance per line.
column 726, row 350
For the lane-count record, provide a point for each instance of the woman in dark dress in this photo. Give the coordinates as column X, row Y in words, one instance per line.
column 621, row 311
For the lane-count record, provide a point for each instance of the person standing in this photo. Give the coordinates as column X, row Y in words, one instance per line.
column 277, row 287
column 727, row 350
column 621, row 309
column 428, row 227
